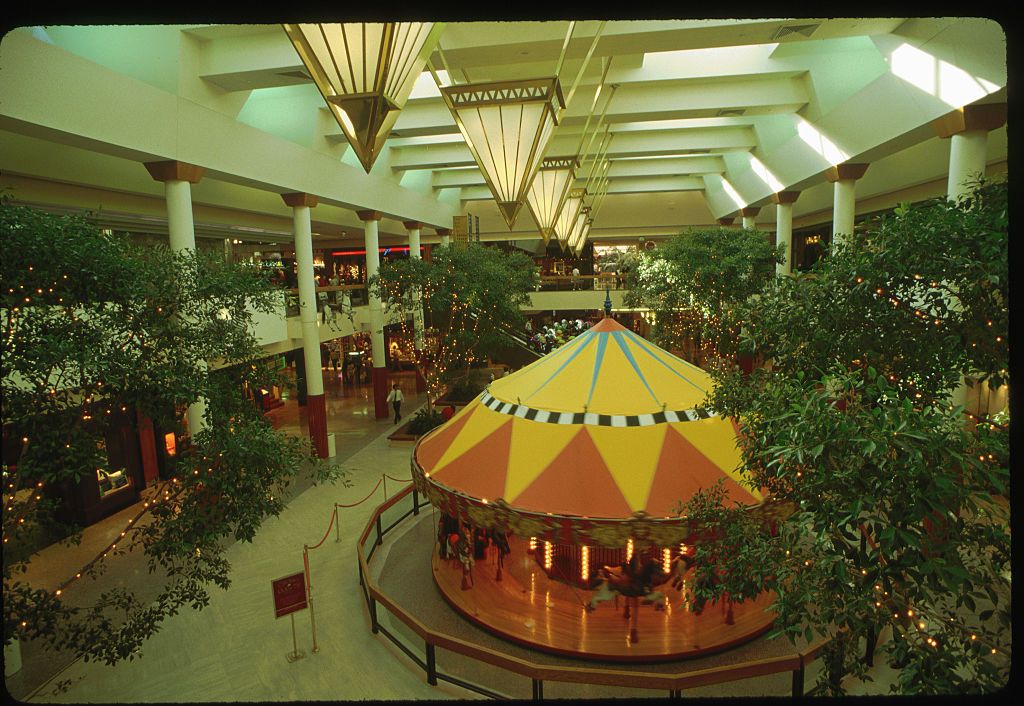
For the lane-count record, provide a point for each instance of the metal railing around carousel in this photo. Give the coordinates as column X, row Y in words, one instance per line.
column 674, row 684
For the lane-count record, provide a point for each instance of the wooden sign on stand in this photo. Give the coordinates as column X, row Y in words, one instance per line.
column 289, row 598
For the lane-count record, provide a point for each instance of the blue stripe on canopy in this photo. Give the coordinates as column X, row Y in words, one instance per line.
column 568, row 360
column 642, row 344
column 601, row 343
column 617, row 335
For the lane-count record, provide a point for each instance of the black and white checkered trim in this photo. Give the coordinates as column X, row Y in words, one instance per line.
column 605, row 420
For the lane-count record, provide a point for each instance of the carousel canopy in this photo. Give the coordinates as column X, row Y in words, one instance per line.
column 605, row 426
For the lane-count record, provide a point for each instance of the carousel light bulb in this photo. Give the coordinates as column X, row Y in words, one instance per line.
column 666, row 560
column 547, row 555
column 533, row 544
column 629, row 549
column 585, row 563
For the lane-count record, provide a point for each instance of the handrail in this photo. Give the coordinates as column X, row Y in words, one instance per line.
column 331, row 288
column 673, row 683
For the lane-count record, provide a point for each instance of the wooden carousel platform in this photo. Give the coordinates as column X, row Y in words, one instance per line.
column 530, row 609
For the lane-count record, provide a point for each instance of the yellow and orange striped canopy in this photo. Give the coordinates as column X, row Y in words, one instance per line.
column 602, row 427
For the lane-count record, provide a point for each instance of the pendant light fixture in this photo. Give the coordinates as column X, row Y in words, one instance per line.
column 567, row 217
column 365, row 71
column 554, row 179
column 507, row 126
column 549, row 191
column 577, row 235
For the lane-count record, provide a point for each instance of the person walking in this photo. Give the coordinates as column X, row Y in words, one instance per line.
column 395, row 397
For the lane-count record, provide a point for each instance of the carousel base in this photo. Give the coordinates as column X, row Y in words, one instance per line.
column 528, row 608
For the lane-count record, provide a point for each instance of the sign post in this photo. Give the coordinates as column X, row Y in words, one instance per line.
column 289, row 598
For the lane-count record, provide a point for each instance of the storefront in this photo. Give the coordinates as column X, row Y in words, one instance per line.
column 271, row 397
column 114, row 484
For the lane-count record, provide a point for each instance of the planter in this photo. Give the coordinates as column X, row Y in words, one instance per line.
column 402, row 435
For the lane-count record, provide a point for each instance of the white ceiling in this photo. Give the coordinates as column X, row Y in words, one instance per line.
column 706, row 116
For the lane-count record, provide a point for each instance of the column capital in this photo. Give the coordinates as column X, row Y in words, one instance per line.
column 847, row 170
column 726, row 221
column 300, row 199
column 987, row 116
column 780, row 197
column 443, row 231
column 412, row 225
column 173, row 170
column 369, row 215
column 749, row 211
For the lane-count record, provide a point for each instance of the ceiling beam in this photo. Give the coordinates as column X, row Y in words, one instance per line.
column 634, row 144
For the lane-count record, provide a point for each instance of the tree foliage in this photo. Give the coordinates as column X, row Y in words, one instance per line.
column 901, row 523
column 709, row 272
column 469, row 293
column 92, row 327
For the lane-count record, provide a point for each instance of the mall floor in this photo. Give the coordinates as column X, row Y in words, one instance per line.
column 234, row 649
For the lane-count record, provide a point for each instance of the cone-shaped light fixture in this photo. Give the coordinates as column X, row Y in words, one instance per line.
column 549, row 190
column 507, row 126
column 365, row 71
column 579, row 230
column 566, row 220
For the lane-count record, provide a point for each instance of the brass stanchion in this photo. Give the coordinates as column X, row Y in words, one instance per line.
column 309, row 597
column 295, row 655
column 385, row 479
column 337, row 524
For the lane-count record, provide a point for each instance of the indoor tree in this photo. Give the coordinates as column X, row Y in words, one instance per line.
column 693, row 282
column 899, row 517
column 470, row 293
column 94, row 327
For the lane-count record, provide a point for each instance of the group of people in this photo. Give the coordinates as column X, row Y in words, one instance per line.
column 552, row 336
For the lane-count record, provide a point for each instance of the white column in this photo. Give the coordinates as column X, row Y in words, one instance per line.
column 748, row 222
column 303, row 229
column 784, row 228
column 178, row 178
column 446, row 236
column 417, row 312
column 968, row 129
column 844, row 204
column 843, row 208
column 180, row 226
column 784, row 236
column 370, row 239
column 966, row 162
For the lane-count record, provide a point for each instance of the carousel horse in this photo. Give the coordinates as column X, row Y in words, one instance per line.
column 500, row 541
column 464, row 553
column 635, row 580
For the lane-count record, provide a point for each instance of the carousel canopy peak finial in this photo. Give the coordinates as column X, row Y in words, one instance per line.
column 607, row 303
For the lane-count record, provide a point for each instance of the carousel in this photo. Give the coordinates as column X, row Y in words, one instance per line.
column 557, row 492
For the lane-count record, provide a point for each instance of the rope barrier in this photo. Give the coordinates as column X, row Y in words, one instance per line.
column 363, row 500
column 399, row 480
column 334, row 517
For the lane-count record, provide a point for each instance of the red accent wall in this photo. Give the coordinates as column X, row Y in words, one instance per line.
column 380, row 393
column 147, row 448
column 316, row 407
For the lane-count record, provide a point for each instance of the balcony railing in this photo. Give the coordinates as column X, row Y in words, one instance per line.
column 554, row 283
column 339, row 297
